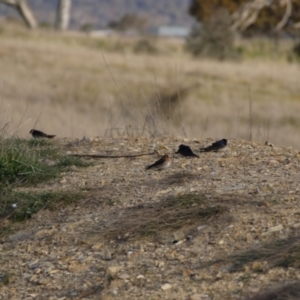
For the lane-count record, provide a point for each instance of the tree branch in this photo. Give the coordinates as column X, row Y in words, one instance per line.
column 24, row 10
column 287, row 14
column 111, row 156
column 10, row 2
column 248, row 13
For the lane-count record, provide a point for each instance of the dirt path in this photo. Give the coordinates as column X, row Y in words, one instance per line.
column 147, row 234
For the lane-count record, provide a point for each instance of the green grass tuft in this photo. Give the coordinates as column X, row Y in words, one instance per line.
column 36, row 142
column 4, row 278
column 28, row 162
column 20, row 162
column 32, row 161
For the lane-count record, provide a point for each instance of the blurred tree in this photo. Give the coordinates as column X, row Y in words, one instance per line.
column 213, row 38
column 24, row 10
column 203, row 10
column 129, row 21
column 87, row 27
column 63, row 14
column 262, row 16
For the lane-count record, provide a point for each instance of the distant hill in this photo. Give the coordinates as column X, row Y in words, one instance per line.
column 100, row 13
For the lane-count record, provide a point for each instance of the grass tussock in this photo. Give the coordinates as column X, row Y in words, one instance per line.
column 19, row 206
column 286, row 292
column 32, row 161
column 283, row 253
column 168, row 215
column 21, row 161
column 29, row 162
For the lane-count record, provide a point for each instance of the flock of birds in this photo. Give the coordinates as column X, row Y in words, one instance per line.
column 165, row 161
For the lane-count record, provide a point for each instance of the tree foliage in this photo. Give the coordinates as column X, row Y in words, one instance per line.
column 204, row 10
column 214, row 38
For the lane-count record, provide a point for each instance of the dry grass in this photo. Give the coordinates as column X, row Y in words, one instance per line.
column 286, row 292
column 74, row 85
column 278, row 253
column 160, row 218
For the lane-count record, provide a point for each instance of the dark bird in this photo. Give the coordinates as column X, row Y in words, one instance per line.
column 162, row 163
column 39, row 134
column 220, row 145
column 186, row 151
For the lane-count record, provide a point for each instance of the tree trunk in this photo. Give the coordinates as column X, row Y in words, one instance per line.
column 24, row 10
column 63, row 14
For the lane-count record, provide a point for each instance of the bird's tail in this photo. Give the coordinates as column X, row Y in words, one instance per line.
column 50, row 136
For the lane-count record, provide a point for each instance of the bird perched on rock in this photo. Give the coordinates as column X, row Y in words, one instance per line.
column 39, row 134
column 220, row 145
column 163, row 163
column 186, row 151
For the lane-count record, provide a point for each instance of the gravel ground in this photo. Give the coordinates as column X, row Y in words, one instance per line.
column 181, row 233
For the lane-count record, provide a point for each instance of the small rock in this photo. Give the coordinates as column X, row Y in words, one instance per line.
column 159, row 264
column 178, row 235
column 113, row 270
column 33, row 264
column 166, row 286
column 201, row 227
column 124, row 276
column 273, row 229
column 162, row 192
column 187, row 272
column 53, row 271
column 43, row 281
column 198, row 297
column 33, row 295
column 254, row 290
column 26, row 275
column 33, row 278
column 257, row 266
column 106, row 253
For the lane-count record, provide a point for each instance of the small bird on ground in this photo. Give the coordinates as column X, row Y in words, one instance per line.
column 220, row 145
column 163, row 163
column 186, row 151
column 39, row 134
